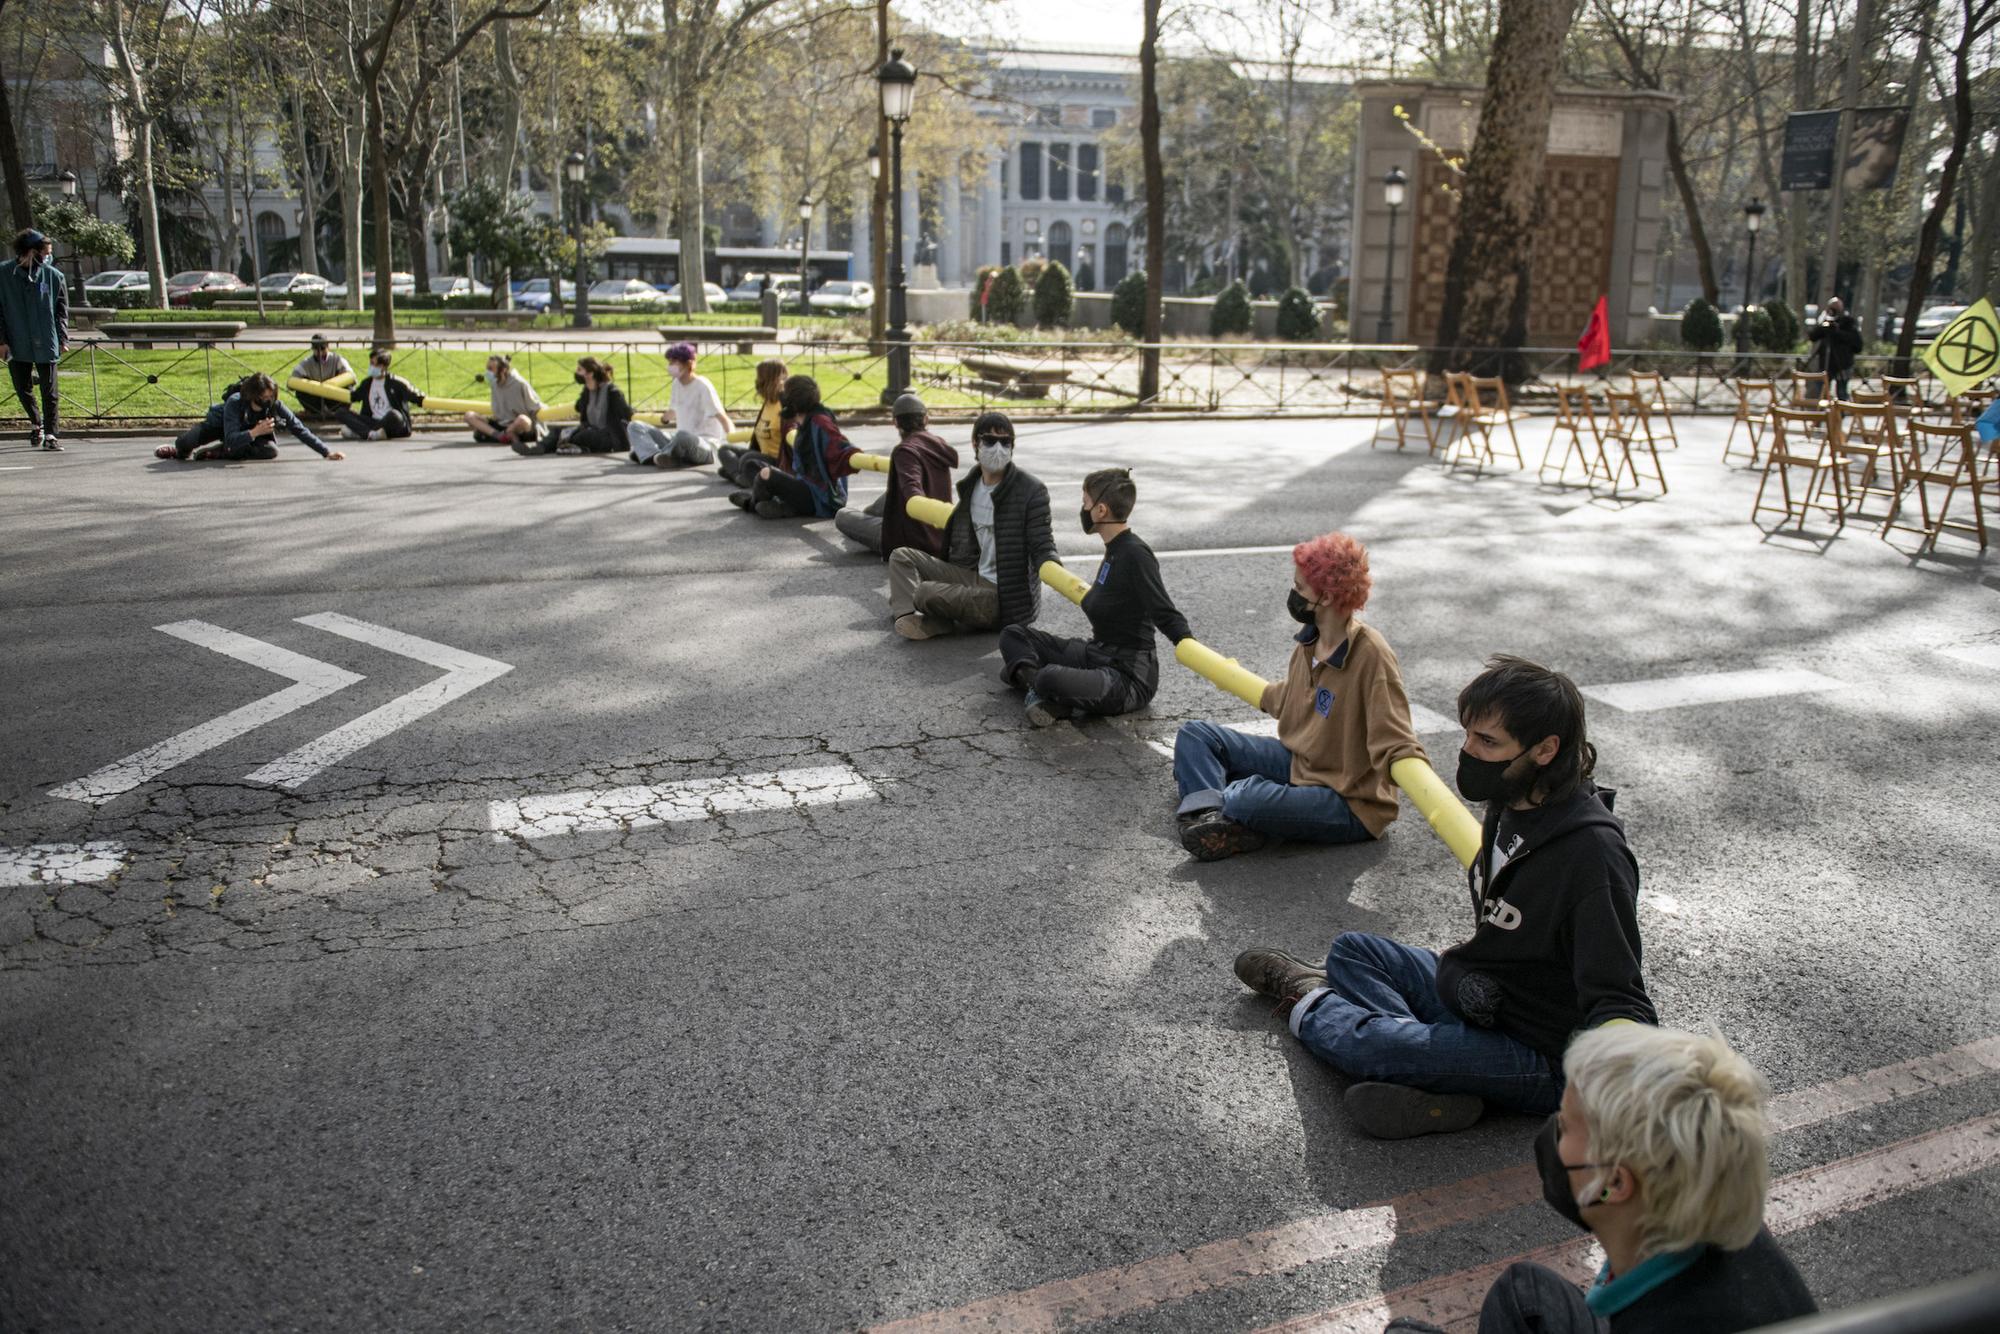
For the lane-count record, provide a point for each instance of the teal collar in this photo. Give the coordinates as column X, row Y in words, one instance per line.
column 1608, row 1296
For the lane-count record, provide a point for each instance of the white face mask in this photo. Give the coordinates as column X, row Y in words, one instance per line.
column 995, row 458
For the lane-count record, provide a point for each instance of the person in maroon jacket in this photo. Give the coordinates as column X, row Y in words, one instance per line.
column 920, row 465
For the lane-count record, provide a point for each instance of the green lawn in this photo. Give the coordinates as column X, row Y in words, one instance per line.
column 108, row 384
column 434, row 319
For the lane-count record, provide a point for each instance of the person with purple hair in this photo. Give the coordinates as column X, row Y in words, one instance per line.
column 694, row 410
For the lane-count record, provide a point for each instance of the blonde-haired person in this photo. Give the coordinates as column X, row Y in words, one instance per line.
column 767, row 433
column 1658, row 1150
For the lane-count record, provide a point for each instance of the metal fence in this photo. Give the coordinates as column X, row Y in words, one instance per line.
column 109, row 382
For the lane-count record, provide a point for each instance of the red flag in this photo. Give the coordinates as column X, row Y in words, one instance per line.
column 1594, row 348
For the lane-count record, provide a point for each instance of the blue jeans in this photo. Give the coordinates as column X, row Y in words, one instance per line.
column 1250, row 779
column 1380, row 1019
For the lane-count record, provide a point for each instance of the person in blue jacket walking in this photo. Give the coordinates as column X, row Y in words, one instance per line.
column 34, row 332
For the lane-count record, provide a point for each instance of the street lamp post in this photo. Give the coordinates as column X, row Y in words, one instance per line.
column 897, row 81
column 66, row 187
column 1753, row 221
column 805, row 255
column 1393, row 186
column 575, row 168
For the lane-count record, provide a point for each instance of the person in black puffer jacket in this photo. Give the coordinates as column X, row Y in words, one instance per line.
column 996, row 542
column 1836, row 340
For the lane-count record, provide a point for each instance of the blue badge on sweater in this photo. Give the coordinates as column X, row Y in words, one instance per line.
column 1103, row 573
column 1323, row 702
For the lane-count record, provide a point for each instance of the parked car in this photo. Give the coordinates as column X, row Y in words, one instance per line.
column 534, row 293
column 449, row 285
column 752, row 286
column 1932, row 322
column 99, row 285
column 284, row 284
column 713, row 291
column 400, row 284
column 842, row 295
column 182, row 286
column 610, row 292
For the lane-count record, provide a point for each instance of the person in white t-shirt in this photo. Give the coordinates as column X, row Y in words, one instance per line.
column 694, row 410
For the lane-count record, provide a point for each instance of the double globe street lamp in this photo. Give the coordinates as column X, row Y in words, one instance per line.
column 898, row 83
column 575, row 168
column 805, row 257
column 1393, row 187
column 1753, row 222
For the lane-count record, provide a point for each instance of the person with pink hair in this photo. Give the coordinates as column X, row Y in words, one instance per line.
column 1343, row 719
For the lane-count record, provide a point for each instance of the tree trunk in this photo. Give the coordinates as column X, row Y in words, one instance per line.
column 509, row 140
column 1986, row 223
column 308, row 193
column 16, row 173
column 141, row 113
column 352, row 140
column 694, row 256
column 1156, row 206
column 1796, row 291
column 1977, row 17
column 1691, row 208
column 378, row 187
column 1487, row 279
column 878, row 216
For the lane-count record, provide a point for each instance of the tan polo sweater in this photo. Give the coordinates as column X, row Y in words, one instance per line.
column 1346, row 721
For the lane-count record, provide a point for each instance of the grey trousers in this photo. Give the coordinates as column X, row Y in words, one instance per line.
column 685, row 448
column 864, row 526
column 950, row 597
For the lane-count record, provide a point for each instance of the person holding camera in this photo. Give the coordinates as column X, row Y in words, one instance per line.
column 1836, row 340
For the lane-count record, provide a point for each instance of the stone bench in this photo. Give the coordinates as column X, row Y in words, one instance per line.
column 89, row 316
column 250, row 305
column 1013, row 379
column 743, row 335
column 144, row 333
column 489, row 319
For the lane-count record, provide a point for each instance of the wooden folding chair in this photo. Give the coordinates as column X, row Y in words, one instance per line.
column 1948, row 456
column 1799, row 440
column 1873, row 397
column 1754, row 399
column 1453, row 415
column 1574, row 416
column 1653, row 392
column 1864, row 435
column 1628, row 436
column 1402, row 399
column 1808, row 389
column 1486, row 411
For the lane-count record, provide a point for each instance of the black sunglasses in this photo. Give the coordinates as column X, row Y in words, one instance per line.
column 1007, row 440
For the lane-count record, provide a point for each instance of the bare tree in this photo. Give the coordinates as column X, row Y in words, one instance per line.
column 1156, row 211
column 10, row 156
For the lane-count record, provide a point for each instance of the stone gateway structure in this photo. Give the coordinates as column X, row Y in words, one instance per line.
column 1602, row 184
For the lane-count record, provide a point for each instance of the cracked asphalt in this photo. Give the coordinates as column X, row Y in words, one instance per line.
column 343, row 1057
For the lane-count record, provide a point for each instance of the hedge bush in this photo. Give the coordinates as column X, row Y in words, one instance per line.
column 978, row 286
column 1298, row 319
column 1760, row 330
column 1231, row 312
column 1055, row 296
column 1701, row 327
column 1128, row 304
column 1785, row 329
column 1009, row 294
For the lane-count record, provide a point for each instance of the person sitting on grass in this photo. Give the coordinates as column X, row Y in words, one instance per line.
column 1343, row 719
column 385, row 401
column 1115, row 670
column 243, row 426
column 695, row 412
column 320, row 364
column 516, row 408
column 1554, row 947
column 995, row 544
column 740, row 464
column 921, row 464
column 1659, row 1149
column 821, row 461
column 601, row 417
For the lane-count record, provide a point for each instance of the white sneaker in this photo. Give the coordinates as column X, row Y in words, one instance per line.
column 376, row 434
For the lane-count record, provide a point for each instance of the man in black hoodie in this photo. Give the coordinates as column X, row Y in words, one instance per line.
column 1554, row 948
column 1836, row 340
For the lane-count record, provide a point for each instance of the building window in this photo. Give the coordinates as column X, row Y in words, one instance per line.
column 1103, row 118
column 1114, row 189
column 1031, row 170
column 1048, row 115
column 1059, row 171
column 1059, row 243
column 1086, row 172
column 1116, row 254
column 1006, row 178
column 1006, row 253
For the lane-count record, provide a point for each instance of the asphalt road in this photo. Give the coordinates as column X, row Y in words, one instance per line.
column 393, row 1047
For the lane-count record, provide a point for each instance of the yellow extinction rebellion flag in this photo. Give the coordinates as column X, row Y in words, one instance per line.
column 1968, row 350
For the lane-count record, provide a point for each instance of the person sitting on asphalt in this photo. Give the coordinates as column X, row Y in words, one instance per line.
column 320, row 365
column 34, row 333
column 242, row 427
column 820, row 460
column 921, row 464
column 1554, row 947
column 1659, row 1149
column 601, row 417
column 516, row 407
column 695, row 412
column 385, row 401
column 1343, row 719
column 995, row 544
column 1116, row 670
column 740, row 464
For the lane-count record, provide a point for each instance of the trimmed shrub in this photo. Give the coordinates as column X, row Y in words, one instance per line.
column 1128, row 303
column 1009, row 294
column 1759, row 331
column 1031, row 270
column 1298, row 320
column 1231, row 312
column 1701, row 327
column 1055, row 297
column 1785, row 329
column 979, row 285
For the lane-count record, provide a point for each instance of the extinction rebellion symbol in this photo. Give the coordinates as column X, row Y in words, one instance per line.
column 1968, row 350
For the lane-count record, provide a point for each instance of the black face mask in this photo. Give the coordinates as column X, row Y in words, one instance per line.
column 1302, row 611
column 1556, row 1174
column 1487, row 780
column 579, row 377
column 1088, row 526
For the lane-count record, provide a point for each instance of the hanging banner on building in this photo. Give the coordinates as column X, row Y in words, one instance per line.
column 1875, row 146
column 1807, row 162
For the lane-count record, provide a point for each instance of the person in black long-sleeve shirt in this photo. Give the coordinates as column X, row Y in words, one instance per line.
column 243, row 426
column 1116, row 669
